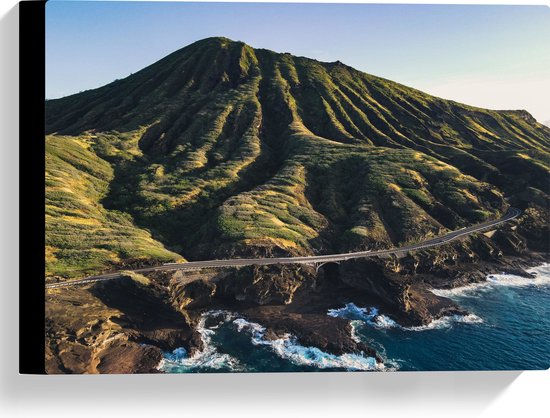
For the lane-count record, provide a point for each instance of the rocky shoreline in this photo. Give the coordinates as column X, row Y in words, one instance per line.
column 125, row 325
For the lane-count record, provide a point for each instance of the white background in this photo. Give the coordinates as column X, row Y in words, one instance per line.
column 463, row 394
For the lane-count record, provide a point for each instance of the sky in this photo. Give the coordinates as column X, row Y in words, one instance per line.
column 496, row 57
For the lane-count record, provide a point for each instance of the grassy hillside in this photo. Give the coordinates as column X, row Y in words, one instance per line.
column 220, row 149
column 81, row 236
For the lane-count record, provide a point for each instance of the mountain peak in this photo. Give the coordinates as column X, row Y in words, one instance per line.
column 222, row 149
column 330, row 100
column 214, row 40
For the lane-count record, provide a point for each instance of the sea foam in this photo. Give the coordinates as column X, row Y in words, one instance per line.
column 446, row 322
column 209, row 357
column 541, row 278
column 288, row 348
column 369, row 315
column 372, row 317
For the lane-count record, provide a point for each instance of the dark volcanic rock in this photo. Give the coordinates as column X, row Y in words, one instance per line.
column 147, row 311
column 405, row 299
column 332, row 335
column 510, row 242
column 220, row 150
column 194, row 294
column 536, row 228
column 265, row 285
column 259, row 285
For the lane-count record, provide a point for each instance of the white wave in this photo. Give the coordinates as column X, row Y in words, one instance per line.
column 544, row 269
column 369, row 315
column 352, row 311
column 541, row 277
column 372, row 317
column 208, row 358
column 256, row 330
column 446, row 322
column 384, row 322
column 462, row 290
column 285, row 347
column 354, row 336
column 288, row 348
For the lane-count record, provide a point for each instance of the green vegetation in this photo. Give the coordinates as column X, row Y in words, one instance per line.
column 82, row 237
column 221, row 149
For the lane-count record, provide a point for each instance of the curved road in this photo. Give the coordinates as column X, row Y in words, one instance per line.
column 316, row 259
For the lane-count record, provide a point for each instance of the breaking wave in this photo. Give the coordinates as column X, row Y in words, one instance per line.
column 209, row 358
column 286, row 347
column 369, row 315
column 372, row 317
column 447, row 322
column 541, row 277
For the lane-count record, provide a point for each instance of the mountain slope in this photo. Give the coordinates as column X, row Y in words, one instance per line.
column 81, row 236
column 220, row 149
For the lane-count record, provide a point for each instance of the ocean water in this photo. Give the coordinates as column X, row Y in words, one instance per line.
column 508, row 329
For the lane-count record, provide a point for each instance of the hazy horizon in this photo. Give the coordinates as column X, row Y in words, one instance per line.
column 495, row 57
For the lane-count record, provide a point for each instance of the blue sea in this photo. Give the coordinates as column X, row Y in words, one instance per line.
column 508, row 328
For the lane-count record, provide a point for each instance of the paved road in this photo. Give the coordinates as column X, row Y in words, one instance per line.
column 317, row 259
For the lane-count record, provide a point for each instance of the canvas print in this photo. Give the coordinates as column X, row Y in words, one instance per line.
column 263, row 187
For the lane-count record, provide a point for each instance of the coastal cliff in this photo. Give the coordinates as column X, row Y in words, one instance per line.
column 221, row 151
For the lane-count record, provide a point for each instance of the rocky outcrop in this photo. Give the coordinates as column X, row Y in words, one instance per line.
column 119, row 326
column 221, row 150
column 263, row 285
column 128, row 357
column 510, row 242
column 534, row 226
column 257, row 285
column 332, row 335
column 124, row 325
column 401, row 286
column 403, row 297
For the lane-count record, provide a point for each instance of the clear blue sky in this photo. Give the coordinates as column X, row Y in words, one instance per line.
column 490, row 56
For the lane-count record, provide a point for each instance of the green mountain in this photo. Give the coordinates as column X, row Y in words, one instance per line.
column 220, row 150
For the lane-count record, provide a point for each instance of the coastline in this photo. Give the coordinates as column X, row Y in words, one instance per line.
column 302, row 325
column 358, row 317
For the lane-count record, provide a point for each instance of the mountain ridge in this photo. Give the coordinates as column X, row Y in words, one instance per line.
column 223, row 151
column 220, row 43
column 337, row 62
column 227, row 150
